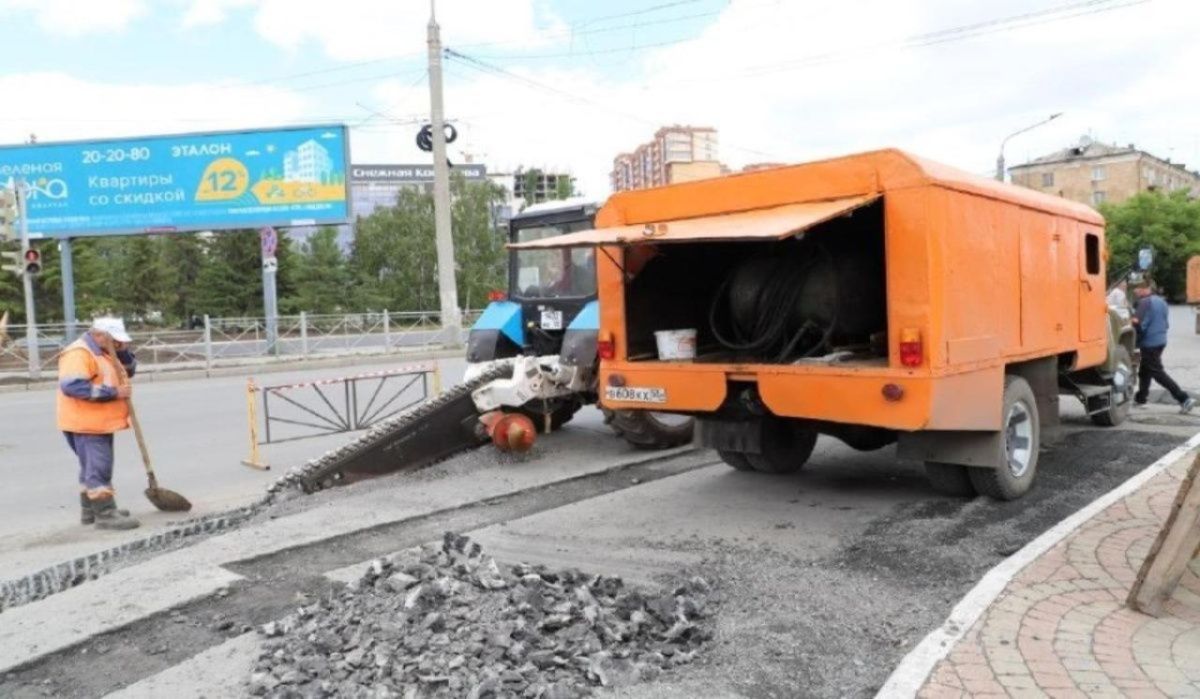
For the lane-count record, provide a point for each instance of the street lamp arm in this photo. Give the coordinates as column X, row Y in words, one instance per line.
column 1003, row 143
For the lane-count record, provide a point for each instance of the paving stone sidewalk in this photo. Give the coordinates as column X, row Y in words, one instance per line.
column 1061, row 628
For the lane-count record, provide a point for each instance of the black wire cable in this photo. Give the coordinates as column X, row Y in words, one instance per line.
column 773, row 300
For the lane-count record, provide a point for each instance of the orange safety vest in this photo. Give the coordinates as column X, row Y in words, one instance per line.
column 86, row 416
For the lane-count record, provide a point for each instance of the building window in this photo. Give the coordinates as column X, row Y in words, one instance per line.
column 1098, row 173
column 1092, row 250
column 1097, row 197
column 1047, row 179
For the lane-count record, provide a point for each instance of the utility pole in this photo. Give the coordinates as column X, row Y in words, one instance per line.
column 447, row 289
column 31, row 341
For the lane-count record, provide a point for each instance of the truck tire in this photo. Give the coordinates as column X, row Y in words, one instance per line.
column 1124, row 374
column 736, row 459
column 786, row 446
column 644, row 429
column 1020, row 438
column 949, row 479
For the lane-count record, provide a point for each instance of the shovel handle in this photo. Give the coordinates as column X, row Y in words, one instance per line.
column 137, row 426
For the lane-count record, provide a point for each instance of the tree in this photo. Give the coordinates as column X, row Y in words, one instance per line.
column 478, row 249
column 394, row 256
column 564, row 187
column 184, row 257
column 530, row 181
column 1169, row 223
column 320, row 276
column 140, row 278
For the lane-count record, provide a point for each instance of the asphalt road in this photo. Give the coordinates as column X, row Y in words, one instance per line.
column 197, row 433
column 826, row 577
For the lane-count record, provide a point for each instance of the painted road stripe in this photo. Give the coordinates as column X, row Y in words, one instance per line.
column 912, row 672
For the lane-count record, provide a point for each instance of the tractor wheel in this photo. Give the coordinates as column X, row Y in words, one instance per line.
column 786, row 446
column 646, row 429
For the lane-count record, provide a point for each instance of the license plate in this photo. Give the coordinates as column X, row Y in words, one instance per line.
column 633, row 394
column 551, row 320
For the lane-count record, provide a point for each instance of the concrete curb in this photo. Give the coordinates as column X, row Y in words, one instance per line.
column 38, row 630
column 914, row 669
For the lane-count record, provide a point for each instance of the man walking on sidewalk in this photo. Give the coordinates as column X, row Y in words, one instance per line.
column 92, row 406
column 1152, row 323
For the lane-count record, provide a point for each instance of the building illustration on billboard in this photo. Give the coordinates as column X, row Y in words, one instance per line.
column 277, row 177
column 308, row 163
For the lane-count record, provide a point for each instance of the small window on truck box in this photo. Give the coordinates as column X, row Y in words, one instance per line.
column 1092, row 249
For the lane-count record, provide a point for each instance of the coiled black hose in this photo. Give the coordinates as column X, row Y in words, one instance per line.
column 770, row 289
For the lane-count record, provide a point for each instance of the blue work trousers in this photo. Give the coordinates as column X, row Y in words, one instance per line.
column 95, row 454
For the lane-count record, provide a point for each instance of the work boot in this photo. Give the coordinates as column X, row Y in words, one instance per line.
column 87, row 515
column 1186, row 406
column 107, row 516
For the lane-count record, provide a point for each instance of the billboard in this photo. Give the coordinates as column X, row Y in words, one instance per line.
column 189, row 182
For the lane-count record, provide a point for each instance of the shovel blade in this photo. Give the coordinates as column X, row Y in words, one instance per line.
column 167, row 500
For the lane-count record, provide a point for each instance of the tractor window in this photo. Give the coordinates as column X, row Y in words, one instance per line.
column 562, row 273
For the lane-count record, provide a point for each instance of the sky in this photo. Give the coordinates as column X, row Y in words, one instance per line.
column 568, row 84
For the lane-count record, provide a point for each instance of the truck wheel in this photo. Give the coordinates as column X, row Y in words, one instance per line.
column 786, row 446
column 1020, row 438
column 1121, row 395
column 736, row 459
column 646, row 429
column 949, row 479
column 559, row 415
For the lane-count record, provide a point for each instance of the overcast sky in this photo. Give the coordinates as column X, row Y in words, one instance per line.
column 570, row 83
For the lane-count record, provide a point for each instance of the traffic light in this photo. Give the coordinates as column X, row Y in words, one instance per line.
column 8, row 215
column 33, row 261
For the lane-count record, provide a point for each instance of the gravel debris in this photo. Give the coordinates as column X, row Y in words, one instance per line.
column 446, row 620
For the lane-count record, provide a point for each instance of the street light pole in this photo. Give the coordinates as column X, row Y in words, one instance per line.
column 447, row 287
column 1000, row 171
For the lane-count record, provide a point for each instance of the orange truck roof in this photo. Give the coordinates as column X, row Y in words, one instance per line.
column 864, row 174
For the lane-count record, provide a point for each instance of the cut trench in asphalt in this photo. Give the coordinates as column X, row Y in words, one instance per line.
column 279, row 582
column 829, row 577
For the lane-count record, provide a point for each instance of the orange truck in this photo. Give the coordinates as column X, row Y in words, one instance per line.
column 877, row 298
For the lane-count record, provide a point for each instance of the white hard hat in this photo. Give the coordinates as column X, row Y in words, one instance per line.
column 114, row 327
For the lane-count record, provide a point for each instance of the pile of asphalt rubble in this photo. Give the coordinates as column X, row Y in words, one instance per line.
column 446, row 621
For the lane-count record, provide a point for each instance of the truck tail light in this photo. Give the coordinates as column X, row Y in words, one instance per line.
column 496, row 295
column 911, row 350
column 606, row 348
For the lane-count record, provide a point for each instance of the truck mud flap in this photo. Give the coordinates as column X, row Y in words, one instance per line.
column 741, row 436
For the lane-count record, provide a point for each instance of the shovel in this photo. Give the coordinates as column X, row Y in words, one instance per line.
column 163, row 499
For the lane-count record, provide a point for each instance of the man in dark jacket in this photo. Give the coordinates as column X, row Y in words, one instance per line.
column 1151, row 318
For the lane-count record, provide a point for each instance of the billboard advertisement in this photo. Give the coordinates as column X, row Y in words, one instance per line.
column 189, row 182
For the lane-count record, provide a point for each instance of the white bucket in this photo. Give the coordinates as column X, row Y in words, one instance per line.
column 676, row 345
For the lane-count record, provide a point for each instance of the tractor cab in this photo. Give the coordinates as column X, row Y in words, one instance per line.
column 547, row 288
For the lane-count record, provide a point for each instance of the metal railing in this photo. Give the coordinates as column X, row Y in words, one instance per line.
column 230, row 341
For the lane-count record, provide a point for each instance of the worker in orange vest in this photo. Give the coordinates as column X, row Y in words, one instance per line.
column 92, row 406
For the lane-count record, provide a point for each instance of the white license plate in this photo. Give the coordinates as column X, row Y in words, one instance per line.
column 633, row 394
column 552, row 320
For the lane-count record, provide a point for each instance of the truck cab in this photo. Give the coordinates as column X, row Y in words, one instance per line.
column 547, row 289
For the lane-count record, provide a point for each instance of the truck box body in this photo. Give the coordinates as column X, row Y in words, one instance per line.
column 976, row 275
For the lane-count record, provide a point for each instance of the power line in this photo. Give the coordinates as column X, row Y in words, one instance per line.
column 490, row 69
column 942, row 36
column 571, row 31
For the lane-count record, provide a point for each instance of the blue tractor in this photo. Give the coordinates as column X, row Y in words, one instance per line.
column 550, row 317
